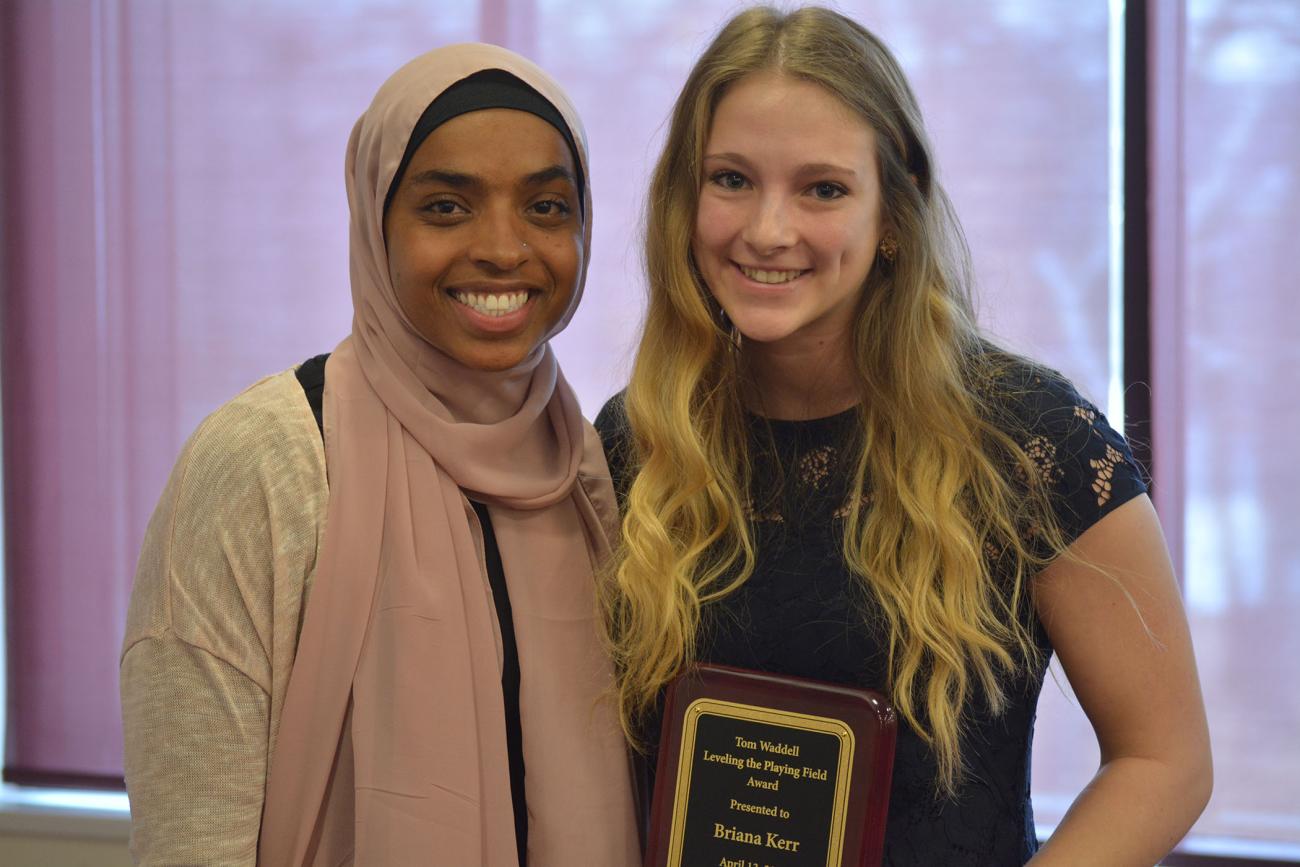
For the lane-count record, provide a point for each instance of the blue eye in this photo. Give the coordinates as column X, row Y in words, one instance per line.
column 827, row 191
column 729, row 180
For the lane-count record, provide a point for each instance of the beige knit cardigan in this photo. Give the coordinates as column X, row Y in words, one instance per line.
column 224, row 574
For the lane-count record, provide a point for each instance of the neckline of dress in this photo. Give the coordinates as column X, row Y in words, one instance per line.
column 801, row 424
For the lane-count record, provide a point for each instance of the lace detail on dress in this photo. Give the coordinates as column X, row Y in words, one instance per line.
column 864, row 502
column 1103, row 467
column 816, row 486
column 814, row 468
column 814, row 472
column 1042, row 452
column 769, row 516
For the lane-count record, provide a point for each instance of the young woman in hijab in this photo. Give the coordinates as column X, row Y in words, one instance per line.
column 828, row 472
column 363, row 625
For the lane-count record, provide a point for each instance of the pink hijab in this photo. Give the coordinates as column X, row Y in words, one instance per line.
column 391, row 747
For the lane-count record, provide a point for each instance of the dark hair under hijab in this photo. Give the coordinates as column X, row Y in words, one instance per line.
column 491, row 88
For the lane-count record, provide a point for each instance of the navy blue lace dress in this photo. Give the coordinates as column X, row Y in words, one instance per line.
column 802, row 613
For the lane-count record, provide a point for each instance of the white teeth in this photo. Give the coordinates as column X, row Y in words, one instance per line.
column 761, row 276
column 493, row 305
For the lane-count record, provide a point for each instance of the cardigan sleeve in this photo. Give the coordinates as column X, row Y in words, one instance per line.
column 213, row 623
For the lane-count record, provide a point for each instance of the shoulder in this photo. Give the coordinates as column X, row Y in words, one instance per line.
column 1026, row 399
column 611, row 421
column 256, row 459
column 242, row 511
column 1023, row 391
column 261, row 441
column 616, row 439
column 1086, row 463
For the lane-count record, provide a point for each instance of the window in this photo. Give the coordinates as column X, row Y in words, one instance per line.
column 1240, row 414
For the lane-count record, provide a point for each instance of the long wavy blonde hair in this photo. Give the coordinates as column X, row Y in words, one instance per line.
column 952, row 493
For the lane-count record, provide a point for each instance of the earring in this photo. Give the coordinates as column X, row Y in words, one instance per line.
column 888, row 248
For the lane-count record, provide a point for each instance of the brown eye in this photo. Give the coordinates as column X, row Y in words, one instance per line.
column 444, row 212
column 552, row 208
column 442, row 208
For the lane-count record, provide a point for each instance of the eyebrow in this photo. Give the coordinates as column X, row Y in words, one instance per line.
column 455, row 180
column 804, row 169
column 462, row 181
column 556, row 172
column 825, row 168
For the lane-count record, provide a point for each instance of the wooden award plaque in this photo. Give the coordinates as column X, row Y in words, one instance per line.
column 761, row 770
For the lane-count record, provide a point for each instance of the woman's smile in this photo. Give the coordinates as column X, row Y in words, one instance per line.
column 772, row 276
column 485, row 243
column 495, row 310
column 769, row 280
column 789, row 211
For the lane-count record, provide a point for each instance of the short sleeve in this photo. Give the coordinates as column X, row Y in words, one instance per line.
column 1087, row 465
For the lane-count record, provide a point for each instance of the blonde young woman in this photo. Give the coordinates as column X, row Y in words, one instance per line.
column 364, row 627
column 827, row 472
